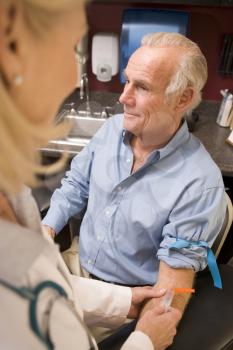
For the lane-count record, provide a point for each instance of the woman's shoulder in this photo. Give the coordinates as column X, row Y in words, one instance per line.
column 29, row 260
column 20, row 247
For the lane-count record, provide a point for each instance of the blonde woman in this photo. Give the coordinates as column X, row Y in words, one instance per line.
column 42, row 305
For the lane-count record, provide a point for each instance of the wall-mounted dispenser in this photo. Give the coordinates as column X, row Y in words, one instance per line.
column 105, row 56
column 137, row 22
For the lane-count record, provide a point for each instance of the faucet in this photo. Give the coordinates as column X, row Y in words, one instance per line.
column 84, row 87
column 84, row 91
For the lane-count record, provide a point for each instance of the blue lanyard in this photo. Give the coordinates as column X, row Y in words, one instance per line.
column 181, row 243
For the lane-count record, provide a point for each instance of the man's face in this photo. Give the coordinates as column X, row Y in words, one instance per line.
column 146, row 112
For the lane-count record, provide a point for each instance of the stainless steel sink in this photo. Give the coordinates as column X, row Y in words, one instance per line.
column 85, row 126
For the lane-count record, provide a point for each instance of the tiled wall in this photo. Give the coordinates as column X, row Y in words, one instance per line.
column 207, row 27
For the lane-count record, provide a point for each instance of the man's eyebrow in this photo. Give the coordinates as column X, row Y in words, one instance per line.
column 142, row 82
column 138, row 81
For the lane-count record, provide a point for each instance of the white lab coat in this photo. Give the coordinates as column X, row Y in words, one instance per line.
column 27, row 259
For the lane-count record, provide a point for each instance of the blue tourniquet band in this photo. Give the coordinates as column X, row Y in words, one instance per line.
column 181, row 243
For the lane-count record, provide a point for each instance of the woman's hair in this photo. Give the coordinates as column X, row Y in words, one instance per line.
column 20, row 137
column 192, row 68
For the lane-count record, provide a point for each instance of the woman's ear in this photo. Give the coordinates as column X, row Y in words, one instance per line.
column 11, row 30
column 185, row 99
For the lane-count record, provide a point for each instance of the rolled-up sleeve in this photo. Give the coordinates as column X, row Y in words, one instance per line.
column 196, row 217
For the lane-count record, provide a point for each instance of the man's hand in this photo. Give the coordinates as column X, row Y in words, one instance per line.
column 50, row 231
column 160, row 326
column 139, row 296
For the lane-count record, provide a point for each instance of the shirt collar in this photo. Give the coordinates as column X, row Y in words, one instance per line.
column 126, row 136
column 180, row 137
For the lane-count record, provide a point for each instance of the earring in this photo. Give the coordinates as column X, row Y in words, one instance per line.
column 18, row 79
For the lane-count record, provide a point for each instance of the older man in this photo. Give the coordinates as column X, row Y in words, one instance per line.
column 147, row 182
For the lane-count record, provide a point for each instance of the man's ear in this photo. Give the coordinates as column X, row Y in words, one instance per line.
column 11, row 28
column 185, row 99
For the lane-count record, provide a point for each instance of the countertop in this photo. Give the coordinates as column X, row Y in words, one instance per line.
column 213, row 136
column 206, row 129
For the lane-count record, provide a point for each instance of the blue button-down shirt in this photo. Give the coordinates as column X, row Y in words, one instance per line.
column 132, row 219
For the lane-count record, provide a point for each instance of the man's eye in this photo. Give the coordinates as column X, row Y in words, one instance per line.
column 142, row 87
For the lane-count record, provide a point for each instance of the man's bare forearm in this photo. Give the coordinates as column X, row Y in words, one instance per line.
column 170, row 278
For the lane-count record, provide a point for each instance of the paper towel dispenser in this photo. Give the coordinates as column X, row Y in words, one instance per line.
column 138, row 22
column 105, row 55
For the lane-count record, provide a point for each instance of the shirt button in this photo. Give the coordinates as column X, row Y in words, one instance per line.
column 107, row 212
column 128, row 160
column 99, row 238
column 119, row 188
column 90, row 262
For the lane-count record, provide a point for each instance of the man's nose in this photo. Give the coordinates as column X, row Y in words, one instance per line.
column 127, row 96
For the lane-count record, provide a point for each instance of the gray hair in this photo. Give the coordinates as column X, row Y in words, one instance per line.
column 191, row 70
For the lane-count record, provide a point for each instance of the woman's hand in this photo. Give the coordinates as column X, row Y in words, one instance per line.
column 139, row 296
column 49, row 231
column 6, row 210
column 160, row 325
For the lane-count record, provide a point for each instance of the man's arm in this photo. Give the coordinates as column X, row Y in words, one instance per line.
column 170, row 278
column 73, row 195
column 196, row 217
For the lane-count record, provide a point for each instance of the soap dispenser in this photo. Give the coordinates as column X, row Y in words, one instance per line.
column 105, row 56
